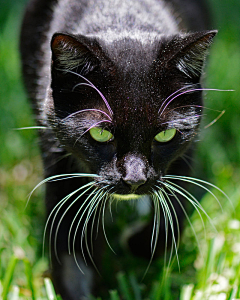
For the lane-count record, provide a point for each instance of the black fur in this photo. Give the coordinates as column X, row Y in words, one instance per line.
column 114, row 65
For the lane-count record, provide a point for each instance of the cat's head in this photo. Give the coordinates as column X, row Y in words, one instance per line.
column 127, row 108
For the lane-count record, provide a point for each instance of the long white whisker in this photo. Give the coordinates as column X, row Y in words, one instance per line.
column 188, row 92
column 90, row 212
column 103, row 227
column 181, row 191
column 169, row 215
column 94, row 218
column 105, row 195
column 65, row 212
column 156, row 227
column 31, row 127
column 59, row 205
column 93, row 205
column 63, row 215
column 197, row 106
column 92, row 126
column 101, row 209
column 83, row 208
column 215, row 120
column 88, row 109
column 76, row 229
column 195, row 181
column 174, row 93
column 90, row 207
column 93, row 86
column 96, row 124
column 185, row 213
column 176, row 218
column 110, row 210
column 191, row 91
column 160, row 199
column 191, row 199
column 166, row 237
column 60, row 177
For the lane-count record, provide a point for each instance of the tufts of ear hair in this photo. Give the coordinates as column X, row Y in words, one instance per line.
column 191, row 57
column 71, row 52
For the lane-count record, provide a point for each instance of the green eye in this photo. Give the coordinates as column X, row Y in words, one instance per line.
column 100, row 135
column 165, row 136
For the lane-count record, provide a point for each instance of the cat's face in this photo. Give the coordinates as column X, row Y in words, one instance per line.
column 127, row 109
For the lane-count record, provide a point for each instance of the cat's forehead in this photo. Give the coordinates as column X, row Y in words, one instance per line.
column 140, row 36
column 134, row 99
column 139, row 49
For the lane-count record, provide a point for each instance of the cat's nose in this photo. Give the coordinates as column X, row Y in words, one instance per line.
column 135, row 171
column 134, row 183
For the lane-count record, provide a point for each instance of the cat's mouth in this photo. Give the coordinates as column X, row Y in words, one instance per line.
column 123, row 191
column 116, row 196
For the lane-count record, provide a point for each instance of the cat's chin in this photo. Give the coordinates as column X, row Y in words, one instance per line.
column 126, row 196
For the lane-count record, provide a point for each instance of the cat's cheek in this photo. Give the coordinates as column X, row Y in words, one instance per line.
column 163, row 156
column 99, row 159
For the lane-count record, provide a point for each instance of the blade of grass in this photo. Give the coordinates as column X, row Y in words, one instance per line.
column 8, row 277
column 162, row 288
column 135, row 287
column 51, row 295
column 1, row 269
column 221, row 263
column 210, row 261
column 233, row 293
column 114, row 295
column 124, row 287
column 186, row 292
column 28, row 272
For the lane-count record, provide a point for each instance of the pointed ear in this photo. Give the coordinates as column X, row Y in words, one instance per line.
column 191, row 57
column 70, row 52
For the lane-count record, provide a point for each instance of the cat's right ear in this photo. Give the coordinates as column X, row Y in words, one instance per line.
column 69, row 53
column 188, row 52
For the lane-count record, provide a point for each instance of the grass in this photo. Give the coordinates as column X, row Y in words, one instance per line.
column 211, row 272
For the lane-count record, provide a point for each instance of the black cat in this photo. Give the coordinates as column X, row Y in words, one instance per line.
column 115, row 87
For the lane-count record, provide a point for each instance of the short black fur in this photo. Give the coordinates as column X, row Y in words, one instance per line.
column 127, row 69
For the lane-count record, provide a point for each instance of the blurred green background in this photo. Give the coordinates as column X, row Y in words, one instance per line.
column 218, row 154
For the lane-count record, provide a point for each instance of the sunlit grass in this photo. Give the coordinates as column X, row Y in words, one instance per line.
column 217, row 270
column 211, row 272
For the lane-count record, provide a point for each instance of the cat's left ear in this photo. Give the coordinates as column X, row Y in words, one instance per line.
column 191, row 56
column 71, row 52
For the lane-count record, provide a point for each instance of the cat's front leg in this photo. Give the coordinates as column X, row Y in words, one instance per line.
column 69, row 281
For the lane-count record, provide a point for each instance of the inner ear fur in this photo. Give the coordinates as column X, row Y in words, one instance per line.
column 69, row 52
column 188, row 52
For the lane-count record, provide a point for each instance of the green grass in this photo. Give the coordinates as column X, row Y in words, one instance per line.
column 211, row 272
